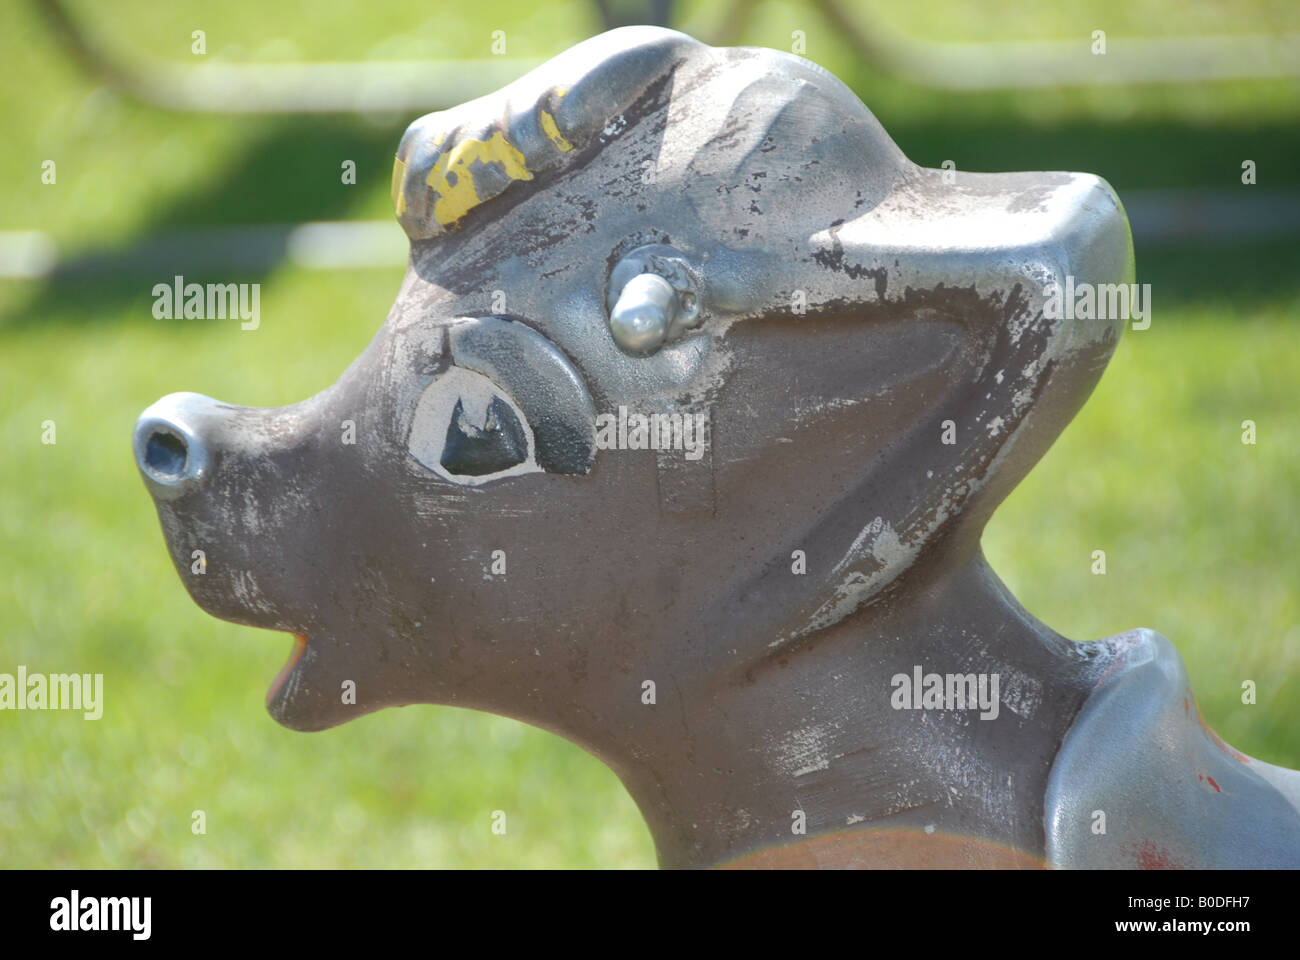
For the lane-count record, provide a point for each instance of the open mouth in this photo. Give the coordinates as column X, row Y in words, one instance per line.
column 295, row 654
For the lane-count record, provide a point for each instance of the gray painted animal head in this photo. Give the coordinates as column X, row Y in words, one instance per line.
column 773, row 263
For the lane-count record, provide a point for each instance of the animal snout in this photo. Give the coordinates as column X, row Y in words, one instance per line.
column 170, row 448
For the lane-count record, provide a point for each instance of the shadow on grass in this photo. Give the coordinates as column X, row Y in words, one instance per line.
column 1129, row 154
column 273, row 184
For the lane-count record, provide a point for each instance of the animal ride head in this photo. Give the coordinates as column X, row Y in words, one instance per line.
column 678, row 441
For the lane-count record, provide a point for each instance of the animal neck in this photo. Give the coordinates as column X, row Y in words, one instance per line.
column 829, row 754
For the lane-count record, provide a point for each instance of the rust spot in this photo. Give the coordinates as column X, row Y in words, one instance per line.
column 1218, row 740
column 1148, row 856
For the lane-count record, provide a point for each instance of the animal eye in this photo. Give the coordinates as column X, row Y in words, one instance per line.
column 475, row 450
column 467, row 429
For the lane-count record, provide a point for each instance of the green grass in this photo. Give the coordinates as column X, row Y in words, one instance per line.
column 1198, row 529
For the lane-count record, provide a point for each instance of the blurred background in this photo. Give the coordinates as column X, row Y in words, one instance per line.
column 217, row 165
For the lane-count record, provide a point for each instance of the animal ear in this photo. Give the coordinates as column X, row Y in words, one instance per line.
column 509, row 403
column 450, row 163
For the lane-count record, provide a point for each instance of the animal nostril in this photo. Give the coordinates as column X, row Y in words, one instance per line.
column 165, row 455
column 169, row 444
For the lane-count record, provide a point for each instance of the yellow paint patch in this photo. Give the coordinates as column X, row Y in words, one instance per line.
column 553, row 133
column 452, row 180
column 399, row 178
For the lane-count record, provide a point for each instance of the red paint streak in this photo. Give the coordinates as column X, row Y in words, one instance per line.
column 1213, row 784
column 1108, row 673
column 1218, row 740
column 1185, row 707
column 1148, row 856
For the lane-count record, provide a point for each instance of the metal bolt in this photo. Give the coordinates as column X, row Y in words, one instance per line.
column 646, row 308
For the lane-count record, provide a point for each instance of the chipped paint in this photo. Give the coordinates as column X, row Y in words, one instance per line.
column 396, row 191
column 803, row 751
column 553, row 133
column 1021, row 693
column 888, row 557
column 452, row 176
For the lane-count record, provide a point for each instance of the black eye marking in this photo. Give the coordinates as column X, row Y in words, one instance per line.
column 505, row 402
column 545, row 387
column 474, row 450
